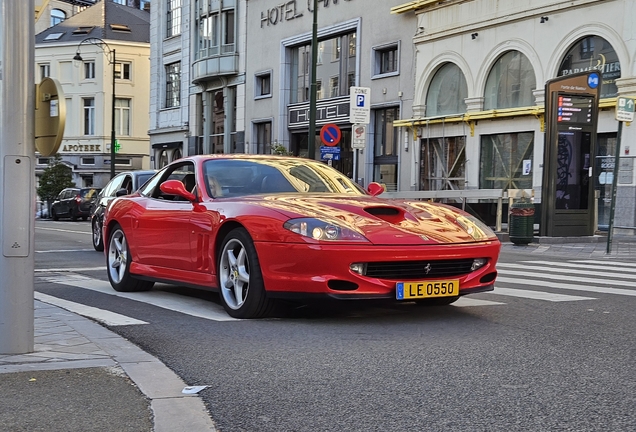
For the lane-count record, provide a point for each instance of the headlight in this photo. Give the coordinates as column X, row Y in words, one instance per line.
column 476, row 228
column 321, row 230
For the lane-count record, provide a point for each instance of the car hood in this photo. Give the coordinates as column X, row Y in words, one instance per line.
column 380, row 221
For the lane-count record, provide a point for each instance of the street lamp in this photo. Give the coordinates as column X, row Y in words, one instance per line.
column 110, row 53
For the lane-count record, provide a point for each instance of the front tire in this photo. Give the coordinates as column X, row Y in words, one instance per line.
column 118, row 264
column 54, row 215
column 98, row 241
column 240, row 278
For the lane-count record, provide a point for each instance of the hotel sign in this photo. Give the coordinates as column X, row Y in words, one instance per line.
column 334, row 110
column 290, row 10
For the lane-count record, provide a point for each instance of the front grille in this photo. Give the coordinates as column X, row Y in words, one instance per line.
column 404, row 270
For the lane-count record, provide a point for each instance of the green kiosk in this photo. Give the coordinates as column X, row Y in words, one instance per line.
column 571, row 114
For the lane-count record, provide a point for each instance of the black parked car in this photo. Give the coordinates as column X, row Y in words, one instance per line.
column 74, row 203
column 122, row 184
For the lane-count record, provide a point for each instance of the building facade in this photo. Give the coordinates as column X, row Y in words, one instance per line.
column 198, row 78
column 478, row 105
column 88, row 88
column 360, row 44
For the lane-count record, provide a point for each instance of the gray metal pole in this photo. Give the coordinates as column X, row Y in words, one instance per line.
column 17, row 185
column 311, row 143
column 112, row 129
column 617, row 159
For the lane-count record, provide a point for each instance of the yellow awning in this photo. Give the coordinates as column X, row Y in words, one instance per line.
column 536, row 111
column 412, row 5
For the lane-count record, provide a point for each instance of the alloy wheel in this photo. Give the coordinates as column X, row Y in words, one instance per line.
column 234, row 274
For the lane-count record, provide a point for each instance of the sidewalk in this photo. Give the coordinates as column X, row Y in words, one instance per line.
column 592, row 247
column 83, row 377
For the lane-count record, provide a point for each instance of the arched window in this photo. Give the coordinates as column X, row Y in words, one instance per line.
column 447, row 92
column 510, row 82
column 57, row 16
column 594, row 52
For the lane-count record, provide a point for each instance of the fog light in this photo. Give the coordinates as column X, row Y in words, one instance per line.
column 359, row 268
column 478, row 263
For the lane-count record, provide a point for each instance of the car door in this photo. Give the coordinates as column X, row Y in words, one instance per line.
column 162, row 227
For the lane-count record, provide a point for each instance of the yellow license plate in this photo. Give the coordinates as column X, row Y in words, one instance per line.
column 428, row 289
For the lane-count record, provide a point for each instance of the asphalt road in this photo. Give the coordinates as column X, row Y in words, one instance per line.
column 552, row 349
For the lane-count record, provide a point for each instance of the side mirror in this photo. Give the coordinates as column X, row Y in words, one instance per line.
column 175, row 187
column 375, row 189
column 121, row 192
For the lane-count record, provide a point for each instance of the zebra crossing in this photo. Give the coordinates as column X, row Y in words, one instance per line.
column 535, row 280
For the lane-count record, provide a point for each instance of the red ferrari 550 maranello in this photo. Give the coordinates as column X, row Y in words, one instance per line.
column 256, row 228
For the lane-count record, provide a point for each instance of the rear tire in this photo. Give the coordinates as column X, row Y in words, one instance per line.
column 98, row 241
column 240, row 279
column 118, row 264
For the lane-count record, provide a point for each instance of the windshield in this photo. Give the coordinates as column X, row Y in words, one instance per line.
column 238, row 177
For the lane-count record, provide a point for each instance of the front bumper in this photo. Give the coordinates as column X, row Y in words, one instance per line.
column 290, row 269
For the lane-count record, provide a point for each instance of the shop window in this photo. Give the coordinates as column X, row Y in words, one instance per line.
column 503, row 158
column 594, row 52
column 447, row 92
column 510, row 82
column 443, row 163
column 88, row 161
column 385, row 143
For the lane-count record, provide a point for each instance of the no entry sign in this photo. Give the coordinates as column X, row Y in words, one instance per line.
column 330, row 134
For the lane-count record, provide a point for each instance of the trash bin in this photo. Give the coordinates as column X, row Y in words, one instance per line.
column 521, row 223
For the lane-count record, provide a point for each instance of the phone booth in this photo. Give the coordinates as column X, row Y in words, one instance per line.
column 567, row 199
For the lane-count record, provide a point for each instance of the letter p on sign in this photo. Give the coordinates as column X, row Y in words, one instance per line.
column 360, row 101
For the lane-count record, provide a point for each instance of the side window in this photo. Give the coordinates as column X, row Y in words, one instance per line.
column 127, row 184
column 114, row 186
column 184, row 172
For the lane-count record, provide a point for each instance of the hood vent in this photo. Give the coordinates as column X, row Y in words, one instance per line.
column 392, row 215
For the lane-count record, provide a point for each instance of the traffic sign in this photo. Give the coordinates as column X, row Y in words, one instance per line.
column 625, row 109
column 360, row 105
column 359, row 136
column 330, row 134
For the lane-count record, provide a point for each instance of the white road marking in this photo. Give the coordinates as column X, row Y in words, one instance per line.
column 578, row 271
column 608, row 267
column 70, row 270
column 538, row 276
column 535, row 281
column 64, row 230
column 66, row 250
column 101, row 315
column 165, row 300
column 537, row 295
column 618, row 263
column 468, row 302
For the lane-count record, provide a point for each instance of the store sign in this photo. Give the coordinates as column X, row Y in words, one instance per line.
column 594, row 53
column 81, row 148
column 290, row 10
column 326, row 112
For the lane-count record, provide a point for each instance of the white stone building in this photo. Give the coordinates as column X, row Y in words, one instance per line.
column 88, row 88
